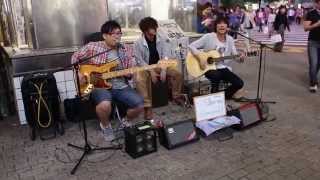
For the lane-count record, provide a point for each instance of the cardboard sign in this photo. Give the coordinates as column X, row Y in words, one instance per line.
column 210, row 106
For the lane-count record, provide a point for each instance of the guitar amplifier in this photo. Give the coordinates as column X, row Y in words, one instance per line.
column 249, row 114
column 140, row 140
column 178, row 134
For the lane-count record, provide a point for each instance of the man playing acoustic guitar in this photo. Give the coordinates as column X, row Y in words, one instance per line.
column 121, row 91
column 224, row 45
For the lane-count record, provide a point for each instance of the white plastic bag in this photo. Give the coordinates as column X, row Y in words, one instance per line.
column 265, row 30
column 276, row 38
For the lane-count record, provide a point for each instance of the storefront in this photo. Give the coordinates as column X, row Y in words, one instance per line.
column 42, row 35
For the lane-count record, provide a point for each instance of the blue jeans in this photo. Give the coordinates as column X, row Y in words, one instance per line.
column 314, row 61
column 127, row 96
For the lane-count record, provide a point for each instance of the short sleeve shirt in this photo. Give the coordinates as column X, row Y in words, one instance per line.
column 314, row 16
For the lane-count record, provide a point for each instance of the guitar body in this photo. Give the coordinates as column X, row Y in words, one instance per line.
column 96, row 75
column 210, row 58
column 89, row 70
column 193, row 66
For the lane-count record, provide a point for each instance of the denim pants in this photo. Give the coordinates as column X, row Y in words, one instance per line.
column 314, row 61
column 127, row 96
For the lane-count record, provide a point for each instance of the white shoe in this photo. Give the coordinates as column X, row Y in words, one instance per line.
column 107, row 133
column 313, row 89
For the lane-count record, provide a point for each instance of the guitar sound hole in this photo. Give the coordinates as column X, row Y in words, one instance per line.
column 210, row 60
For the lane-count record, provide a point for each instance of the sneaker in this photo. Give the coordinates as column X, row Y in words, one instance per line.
column 107, row 133
column 313, row 89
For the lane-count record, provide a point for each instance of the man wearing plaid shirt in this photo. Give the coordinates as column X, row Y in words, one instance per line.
column 121, row 91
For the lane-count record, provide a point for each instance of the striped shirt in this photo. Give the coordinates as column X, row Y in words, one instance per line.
column 121, row 56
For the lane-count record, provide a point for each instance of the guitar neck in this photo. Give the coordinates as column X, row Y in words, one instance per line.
column 225, row 57
column 123, row 72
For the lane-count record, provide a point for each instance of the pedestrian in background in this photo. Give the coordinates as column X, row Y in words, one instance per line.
column 247, row 26
column 312, row 24
column 271, row 19
column 280, row 24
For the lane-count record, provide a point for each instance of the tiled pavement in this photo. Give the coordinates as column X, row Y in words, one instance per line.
column 287, row 148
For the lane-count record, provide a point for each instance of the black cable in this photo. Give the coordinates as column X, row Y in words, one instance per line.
column 103, row 160
column 66, row 154
column 70, row 160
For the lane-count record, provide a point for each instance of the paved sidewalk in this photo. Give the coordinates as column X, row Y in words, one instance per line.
column 287, row 148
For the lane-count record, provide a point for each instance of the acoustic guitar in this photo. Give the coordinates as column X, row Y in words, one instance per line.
column 211, row 58
column 96, row 75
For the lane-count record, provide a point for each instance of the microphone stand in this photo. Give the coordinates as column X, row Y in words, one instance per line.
column 183, row 63
column 185, row 86
column 87, row 149
column 261, row 48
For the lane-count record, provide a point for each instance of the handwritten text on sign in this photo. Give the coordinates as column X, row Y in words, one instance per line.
column 210, row 106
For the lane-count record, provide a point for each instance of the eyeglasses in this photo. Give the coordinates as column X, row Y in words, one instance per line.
column 115, row 34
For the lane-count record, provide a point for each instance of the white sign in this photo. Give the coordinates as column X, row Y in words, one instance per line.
column 210, row 106
column 170, row 29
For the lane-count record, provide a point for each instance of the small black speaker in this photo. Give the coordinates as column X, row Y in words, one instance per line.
column 178, row 134
column 249, row 114
column 140, row 140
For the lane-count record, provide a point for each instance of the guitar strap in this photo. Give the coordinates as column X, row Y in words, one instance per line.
column 124, row 59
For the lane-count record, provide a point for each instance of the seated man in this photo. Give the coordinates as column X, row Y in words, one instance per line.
column 224, row 44
column 149, row 49
column 121, row 91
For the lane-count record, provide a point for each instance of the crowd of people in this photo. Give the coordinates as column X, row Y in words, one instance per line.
column 267, row 20
column 261, row 17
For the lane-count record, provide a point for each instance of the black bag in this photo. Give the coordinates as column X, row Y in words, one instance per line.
column 42, row 105
column 77, row 109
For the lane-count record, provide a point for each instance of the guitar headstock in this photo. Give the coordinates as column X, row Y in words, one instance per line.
column 167, row 63
column 251, row 53
column 247, row 55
